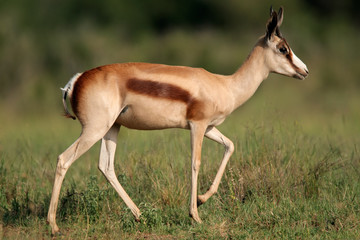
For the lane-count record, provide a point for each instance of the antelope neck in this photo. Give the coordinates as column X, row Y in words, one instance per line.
column 250, row 75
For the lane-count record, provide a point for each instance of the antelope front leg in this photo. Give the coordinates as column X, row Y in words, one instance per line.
column 106, row 166
column 197, row 136
column 217, row 136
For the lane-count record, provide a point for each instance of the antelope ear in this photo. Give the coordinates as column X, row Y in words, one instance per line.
column 280, row 16
column 271, row 11
column 271, row 24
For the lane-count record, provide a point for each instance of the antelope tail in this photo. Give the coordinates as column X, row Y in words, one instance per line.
column 67, row 91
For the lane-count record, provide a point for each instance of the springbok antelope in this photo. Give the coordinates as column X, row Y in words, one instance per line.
column 148, row 96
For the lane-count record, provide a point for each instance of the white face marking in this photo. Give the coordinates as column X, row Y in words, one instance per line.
column 282, row 60
column 300, row 65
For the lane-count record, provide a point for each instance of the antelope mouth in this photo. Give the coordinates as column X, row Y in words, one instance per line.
column 301, row 74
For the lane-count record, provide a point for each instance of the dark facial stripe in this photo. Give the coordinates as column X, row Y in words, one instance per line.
column 167, row 91
column 290, row 59
column 289, row 56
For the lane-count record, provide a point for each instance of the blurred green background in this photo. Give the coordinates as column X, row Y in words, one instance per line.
column 290, row 133
column 44, row 42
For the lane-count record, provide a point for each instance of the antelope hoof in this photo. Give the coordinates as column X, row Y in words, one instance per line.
column 55, row 231
column 200, row 200
column 56, row 234
column 137, row 216
column 196, row 218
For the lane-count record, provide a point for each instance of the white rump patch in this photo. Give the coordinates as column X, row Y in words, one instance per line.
column 69, row 86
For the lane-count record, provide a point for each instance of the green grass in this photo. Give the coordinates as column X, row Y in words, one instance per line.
column 296, row 168
column 294, row 175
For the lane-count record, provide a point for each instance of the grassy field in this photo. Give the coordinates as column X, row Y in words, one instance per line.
column 294, row 174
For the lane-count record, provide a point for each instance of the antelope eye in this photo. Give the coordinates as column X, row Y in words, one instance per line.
column 283, row 50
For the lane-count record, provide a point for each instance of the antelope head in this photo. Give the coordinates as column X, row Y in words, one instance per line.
column 279, row 56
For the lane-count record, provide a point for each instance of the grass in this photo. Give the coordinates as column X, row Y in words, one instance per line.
column 295, row 171
column 294, row 175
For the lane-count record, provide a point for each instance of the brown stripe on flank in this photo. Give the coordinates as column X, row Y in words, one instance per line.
column 167, row 91
column 160, row 90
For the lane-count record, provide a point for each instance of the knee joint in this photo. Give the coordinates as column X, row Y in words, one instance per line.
column 213, row 189
column 60, row 168
column 229, row 147
column 106, row 171
column 196, row 165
